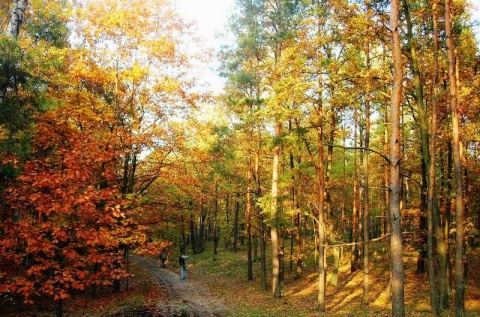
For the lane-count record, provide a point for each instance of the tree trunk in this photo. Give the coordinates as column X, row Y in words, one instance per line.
column 227, row 222
column 431, row 201
column 355, row 251
column 216, row 238
column 366, row 190
column 459, row 204
column 386, row 178
column 235, row 223
column 397, row 288
column 336, row 266
column 274, row 217
column 16, row 19
column 259, row 214
column 299, row 246
column 423, row 129
column 321, row 219
column 249, row 233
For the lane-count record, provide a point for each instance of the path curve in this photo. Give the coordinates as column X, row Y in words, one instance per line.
column 186, row 297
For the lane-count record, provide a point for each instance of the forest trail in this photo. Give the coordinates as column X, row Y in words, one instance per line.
column 185, row 297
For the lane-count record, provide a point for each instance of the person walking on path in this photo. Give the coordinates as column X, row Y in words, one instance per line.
column 163, row 258
column 183, row 265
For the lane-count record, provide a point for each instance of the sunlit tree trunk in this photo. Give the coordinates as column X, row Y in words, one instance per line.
column 386, row 177
column 397, row 283
column 459, row 204
column 432, row 210
column 249, row 231
column 274, row 216
column 321, row 220
column 366, row 190
column 355, row 213
column 261, row 223
column 328, row 169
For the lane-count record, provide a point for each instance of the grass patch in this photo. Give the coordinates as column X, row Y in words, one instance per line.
column 226, row 275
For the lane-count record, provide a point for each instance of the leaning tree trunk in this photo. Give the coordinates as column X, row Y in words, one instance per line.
column 459, row 205
column 397, row 288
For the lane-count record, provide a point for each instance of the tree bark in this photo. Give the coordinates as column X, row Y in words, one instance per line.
column 216, row 238
column 459, row 204
column 276, row 290
column 249, row 233
column 355, row 250
column 321, row 219
column 433, row 224
column 366, row 190
column 17, row 17
column 235, row 223
column 397, row 288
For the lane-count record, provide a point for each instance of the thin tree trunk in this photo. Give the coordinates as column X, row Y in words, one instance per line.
column 448, row 215
column 386, row 178
column 355, row 251
column 235, row 223
column 216, row 239
column 227, row 221
column 433, row 225
column 249, row 233
column 398, row 301
column 331, row 141
column 336, row 265
column 423, row 128
column 259, row 214
column 459, row 204
column 321, row 219
column 366, row 191
column 276, row 290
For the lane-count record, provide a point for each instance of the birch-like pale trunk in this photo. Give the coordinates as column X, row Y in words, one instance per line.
column 16, row 20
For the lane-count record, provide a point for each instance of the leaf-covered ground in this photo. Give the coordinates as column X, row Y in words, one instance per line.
column 218, row 286
column 226, row 274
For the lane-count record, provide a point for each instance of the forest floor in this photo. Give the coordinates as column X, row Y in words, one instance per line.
column 217, row 285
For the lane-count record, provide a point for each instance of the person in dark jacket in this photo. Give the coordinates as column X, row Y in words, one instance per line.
column 183, row 265
column 163, row 258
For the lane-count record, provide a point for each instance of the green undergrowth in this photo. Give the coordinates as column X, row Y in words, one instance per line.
column 226, row 275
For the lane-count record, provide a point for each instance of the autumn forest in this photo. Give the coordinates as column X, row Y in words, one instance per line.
column 344, row 145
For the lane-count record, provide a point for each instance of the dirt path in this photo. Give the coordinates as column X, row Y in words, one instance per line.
column 186, row 297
